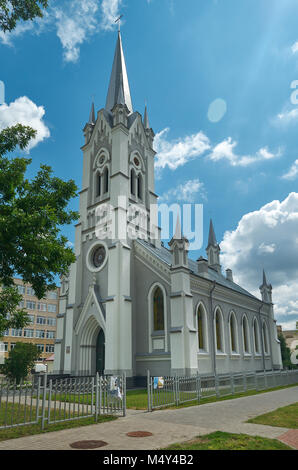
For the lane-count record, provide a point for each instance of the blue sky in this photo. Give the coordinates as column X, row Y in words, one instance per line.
column 181, row 57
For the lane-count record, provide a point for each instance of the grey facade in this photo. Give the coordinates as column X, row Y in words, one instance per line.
column 133, row 304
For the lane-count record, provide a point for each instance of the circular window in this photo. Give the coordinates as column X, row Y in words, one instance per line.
column 98, row 256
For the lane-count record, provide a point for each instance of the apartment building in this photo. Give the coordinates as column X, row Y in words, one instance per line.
column 43, row 320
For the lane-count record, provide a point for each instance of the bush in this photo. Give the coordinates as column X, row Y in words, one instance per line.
column 19, row 362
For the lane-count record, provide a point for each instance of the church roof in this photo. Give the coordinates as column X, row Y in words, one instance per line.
column 119, row 86
column 212, row 275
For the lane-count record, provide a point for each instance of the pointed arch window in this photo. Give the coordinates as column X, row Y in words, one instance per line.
column 219, row 331
column 265, row 338
column 98, row 184
column 132, row 182
column 106, row 180
column 256, row 336
column 140, row 187
column 233, row 333
column 245, row 334
column 158, row 310
column 202, row 328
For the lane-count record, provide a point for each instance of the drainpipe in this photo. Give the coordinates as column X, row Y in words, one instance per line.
column 261, row 334
column 212, row 329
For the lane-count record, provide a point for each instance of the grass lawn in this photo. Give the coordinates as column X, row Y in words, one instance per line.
column 21, row 414
column 227, row 441
column 285, row 417
column 137, row 399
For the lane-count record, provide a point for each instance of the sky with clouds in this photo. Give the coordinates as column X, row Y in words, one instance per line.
column 220, row 78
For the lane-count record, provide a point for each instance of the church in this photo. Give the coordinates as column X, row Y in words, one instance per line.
column 131, row 304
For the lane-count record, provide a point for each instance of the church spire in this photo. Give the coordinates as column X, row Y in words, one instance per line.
column 213, row 249
column 146, row 119
column 119, row 86
column 212, row 238
column 92, row 115
column 266, row 290
column 264, row 278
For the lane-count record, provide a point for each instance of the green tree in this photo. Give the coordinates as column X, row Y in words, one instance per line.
column 11, row 11
column 19, row 362
column 285, row 353
column 31, row 216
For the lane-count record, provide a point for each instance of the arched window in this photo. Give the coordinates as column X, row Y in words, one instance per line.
column 256, row 336
column 140, row 186
column 132, row 182
column 106, row 180
column 265, row 338
column 245, row 335
column 233, row 333
column 202, row 328
column 158, row 310
column 98, row 184
column 219, row 331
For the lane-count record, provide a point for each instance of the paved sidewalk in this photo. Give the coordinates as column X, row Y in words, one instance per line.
column 169, row 426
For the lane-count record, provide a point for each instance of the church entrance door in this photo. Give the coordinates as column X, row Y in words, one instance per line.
column 100, row 353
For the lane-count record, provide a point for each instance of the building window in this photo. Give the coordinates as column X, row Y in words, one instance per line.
column 202, row 328
column 16, row 332
column 12, row 345
column 140, row 187
column 40, row 347
column 132, row 182
column 52, row 308
column 6, row 332
column 39, row 333
column 41, row 320
column 51, row 334
column 256, row 337
column 233, row 333
column 265, row 338
column 51, row 321
column 219, row 331
column 28, row 333
column 22, row 304
column 158, row 310
column 30, row 305
column 52, row 295
column 30, row 291
column 21, row 289
column 245, row 335
column 50, row 348
column 5, row 347
column 106, row 180
column 42, row 307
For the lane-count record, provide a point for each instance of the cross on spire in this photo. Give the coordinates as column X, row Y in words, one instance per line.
column 118, row 20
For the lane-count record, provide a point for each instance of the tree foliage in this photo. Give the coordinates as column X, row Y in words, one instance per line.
column 31, row 215
column 285, row 353
column 20, row 360
column 11, row 11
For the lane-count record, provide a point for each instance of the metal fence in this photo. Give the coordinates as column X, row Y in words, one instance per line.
column 169, row 391
column 47, row 401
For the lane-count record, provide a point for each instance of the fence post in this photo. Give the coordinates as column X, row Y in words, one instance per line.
column 177, row 390
column 43, row 411
column 96, row 396
column 37, row 400
column 265, row 380
column 198, row 383
column 232, row 384
column 124, row 394
column 256, row 381
column 148, row 391
column 216, row 386
column 49, row 402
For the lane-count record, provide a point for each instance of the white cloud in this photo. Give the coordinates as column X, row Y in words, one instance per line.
column 225, row 151
column 295, row 47
column 186, row 192
column 177, row 152
column 292, row 174
column 24, row 111
column 110, row 11
column 267, row 238
column 74, row 21
column 286, row 117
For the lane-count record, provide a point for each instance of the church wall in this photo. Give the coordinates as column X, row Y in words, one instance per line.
column 144, row 278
